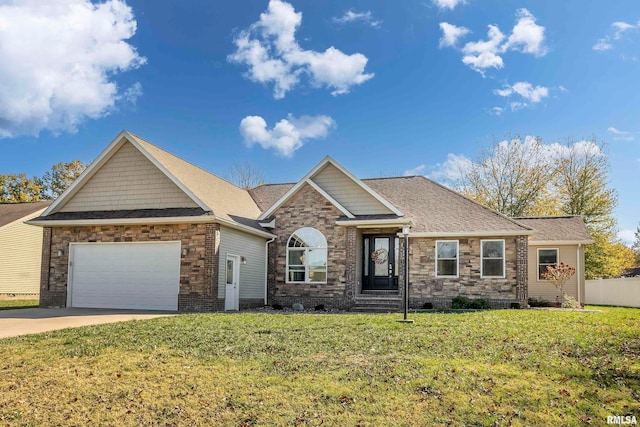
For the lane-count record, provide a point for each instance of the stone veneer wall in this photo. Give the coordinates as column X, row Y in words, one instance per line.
column 198, row 269
column 425, row 287
column 308, row 208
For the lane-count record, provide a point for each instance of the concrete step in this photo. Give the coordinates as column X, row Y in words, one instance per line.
column 378, row 303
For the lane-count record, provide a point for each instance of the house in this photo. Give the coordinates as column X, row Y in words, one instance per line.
column 557, row 239
column 20, row 249
column 142, row 228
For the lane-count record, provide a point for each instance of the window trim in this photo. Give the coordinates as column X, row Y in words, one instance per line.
column 504, row 259
column 306, row 266
column 538, row 279
column 447, row 276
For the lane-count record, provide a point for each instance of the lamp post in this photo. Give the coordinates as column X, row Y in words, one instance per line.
column 405, row 304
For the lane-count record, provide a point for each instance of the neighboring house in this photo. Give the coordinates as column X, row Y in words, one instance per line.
column 557, row 239
column 20, row 249
column 141, row 228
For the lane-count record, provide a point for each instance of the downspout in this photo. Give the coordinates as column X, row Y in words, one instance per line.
column 266, row 268
column 578, row 270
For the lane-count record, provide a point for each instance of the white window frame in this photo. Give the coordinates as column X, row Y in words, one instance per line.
column 306, row 266
column 504, row 259
column 438, row 275
column 538, row 278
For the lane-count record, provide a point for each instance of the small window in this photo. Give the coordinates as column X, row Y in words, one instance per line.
column 307, row 257
column 546, row 258
column 492, row 254
column 447, row 258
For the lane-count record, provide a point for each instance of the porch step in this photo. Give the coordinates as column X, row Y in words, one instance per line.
column 378, row 304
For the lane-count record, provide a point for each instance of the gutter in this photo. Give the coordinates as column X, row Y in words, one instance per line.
column 155, row 220
column 492, row 233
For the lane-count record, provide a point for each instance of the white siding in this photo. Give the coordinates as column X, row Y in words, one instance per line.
column 252, row 273
column 128, row 180
column 20, row 257
column 348, row 193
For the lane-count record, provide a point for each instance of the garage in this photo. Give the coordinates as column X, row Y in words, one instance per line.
column 129, row 275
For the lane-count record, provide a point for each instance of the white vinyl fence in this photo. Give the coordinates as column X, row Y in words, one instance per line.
column 624, row 292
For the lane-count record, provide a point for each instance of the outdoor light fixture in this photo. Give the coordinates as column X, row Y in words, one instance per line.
column 60, row 252
column 185, row 251
column 405, row 305
column 243, row 260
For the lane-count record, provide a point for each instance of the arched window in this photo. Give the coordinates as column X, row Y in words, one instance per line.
column 307, row 256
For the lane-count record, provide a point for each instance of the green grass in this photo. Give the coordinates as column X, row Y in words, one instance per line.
column 11, row 304
column 510, row 367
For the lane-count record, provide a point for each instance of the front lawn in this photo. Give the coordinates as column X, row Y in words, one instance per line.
column 510, row 367
column 10, row 304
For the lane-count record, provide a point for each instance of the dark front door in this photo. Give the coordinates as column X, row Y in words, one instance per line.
column 380, row 266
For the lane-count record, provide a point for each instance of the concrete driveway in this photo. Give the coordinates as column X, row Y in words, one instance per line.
column 34, row 320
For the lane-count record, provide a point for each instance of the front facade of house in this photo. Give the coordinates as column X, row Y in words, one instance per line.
column 142, row 228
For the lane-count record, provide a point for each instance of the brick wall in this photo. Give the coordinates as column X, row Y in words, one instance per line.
column 425, row 287
column 198, row 269
column 308, row 208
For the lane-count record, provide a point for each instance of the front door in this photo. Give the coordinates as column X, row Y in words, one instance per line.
column 232, row 289
column 380, row 262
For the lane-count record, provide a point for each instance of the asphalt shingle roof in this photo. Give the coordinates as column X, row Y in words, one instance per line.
column 433, row 207
column 10, row 212
column 557, row 228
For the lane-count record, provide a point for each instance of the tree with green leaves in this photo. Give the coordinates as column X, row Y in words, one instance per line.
column 525, row 177
column 18, row 188
column 60, row 177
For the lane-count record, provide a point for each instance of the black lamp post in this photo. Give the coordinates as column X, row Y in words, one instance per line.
column 405, row 304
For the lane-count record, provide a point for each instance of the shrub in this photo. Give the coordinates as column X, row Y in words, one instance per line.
column 539, row 302
column 427, row 306
column 480, row 304
column 319, row 307
column 570, row 302
column 277, row 306
column 461, row 302
column 515, row 305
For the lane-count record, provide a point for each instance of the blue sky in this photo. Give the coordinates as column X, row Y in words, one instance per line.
column 384, row 87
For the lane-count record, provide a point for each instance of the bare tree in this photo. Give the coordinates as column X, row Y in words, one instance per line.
column 245, row 175
column 512, row 177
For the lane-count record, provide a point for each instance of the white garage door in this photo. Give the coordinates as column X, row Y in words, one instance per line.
column 125, row 275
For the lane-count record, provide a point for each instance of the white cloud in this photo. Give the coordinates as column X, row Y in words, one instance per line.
column 132, row 93
column 497, row 111
column 621, row 135
column 602, row 44
column 525, row 37
column 448, row 4
column 451, row 169
column 526, row 90
column 627, row 236
column 270, row 50
column 451, row 34
column 418, row 170
column 525, row 93
column 619, row 28
column 59, row 60
column 287, row 135
column 351, row 16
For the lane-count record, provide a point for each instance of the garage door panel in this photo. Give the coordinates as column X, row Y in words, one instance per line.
column 126, row 275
